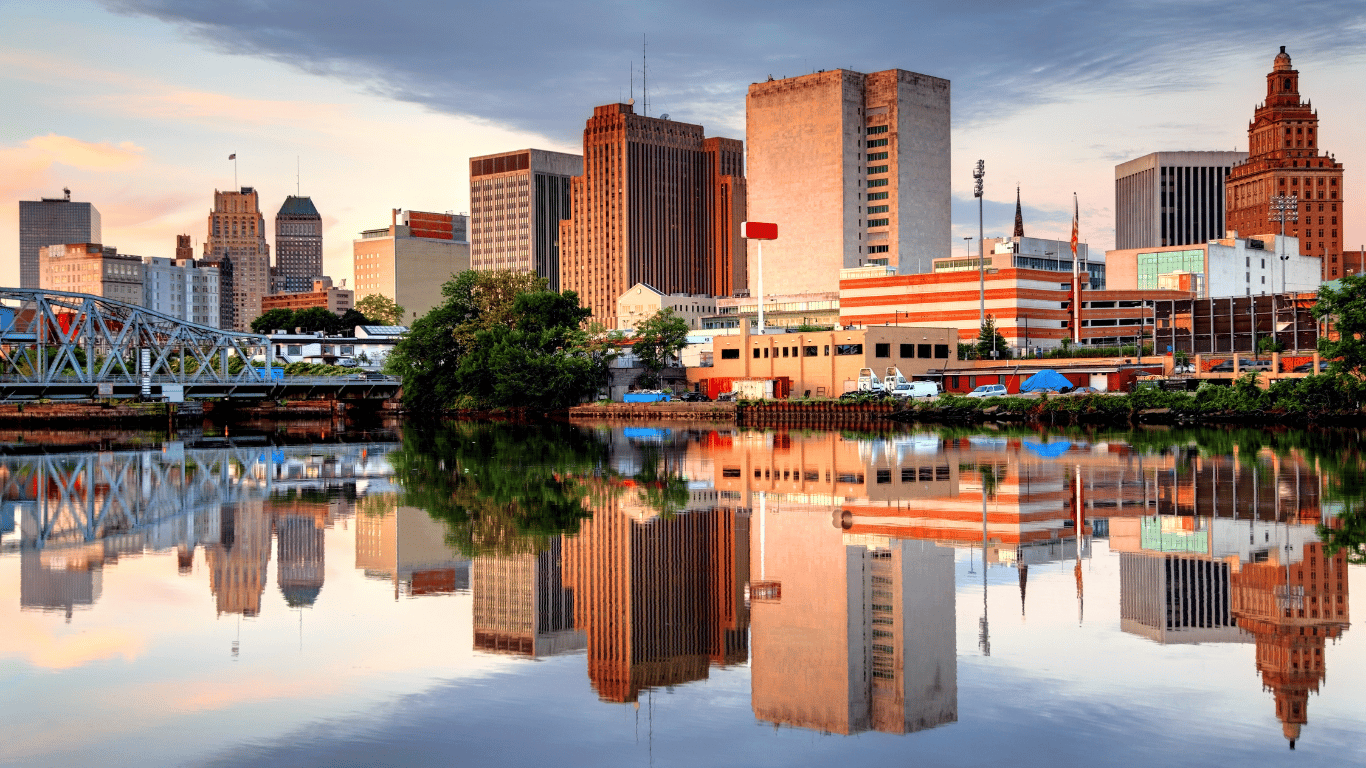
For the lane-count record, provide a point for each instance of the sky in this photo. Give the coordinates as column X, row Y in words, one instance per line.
column 137, row 104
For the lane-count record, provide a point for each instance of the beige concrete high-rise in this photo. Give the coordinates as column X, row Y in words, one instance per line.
column 409, row 260
column 237, row 234
column 854, row 169
column 658, row 204
column 517, row 200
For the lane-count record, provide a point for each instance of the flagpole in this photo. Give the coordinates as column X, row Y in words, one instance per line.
column 1076, row 272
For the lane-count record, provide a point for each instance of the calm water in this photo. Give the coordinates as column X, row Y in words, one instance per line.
column 493, row 595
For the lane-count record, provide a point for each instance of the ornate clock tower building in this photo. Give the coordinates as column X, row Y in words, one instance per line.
column 1284, row 159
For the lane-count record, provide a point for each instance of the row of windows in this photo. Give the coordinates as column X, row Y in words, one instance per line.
column 884, row 208
column 916, row 474
column 873, row 130
column 878, row 248
column 876, row 143
column 913, row 351
column 877, row 183
column 877, row 169
column 877, row 155
column 885, row 222
column 877, row 195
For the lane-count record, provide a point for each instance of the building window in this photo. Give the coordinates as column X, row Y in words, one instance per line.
column 878, row 222
column 923, row 351
column 809, row 351
column 883, row 209
column 878, row 248
column 848, row 349
column 873, row 130
column 953, row 382
column 883, row 196
column 294, row 349
column 877, row 182
column 877, row 169
column 827, row 350
column 730, row 354
column 877, row 155
column 884, row 476
column 941, row 351
column 908, row 350
column 756, row 353
column 765, row 351
column 882, row 350
column 784, row 351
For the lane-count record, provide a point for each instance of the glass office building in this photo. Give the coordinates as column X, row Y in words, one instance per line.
column 52, row 221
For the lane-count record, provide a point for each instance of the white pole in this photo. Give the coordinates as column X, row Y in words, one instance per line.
column 761, row 287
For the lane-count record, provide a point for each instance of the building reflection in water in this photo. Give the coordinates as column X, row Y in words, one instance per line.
column 406, row 547
column 659, row 598
column 1233, row 555
column 78, row 513
column 521, row 605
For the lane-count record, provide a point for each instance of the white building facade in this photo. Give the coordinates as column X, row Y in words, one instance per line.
column 181, row 288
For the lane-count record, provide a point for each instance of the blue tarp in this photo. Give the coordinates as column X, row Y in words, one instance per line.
column 1048, row 450
column 1046, row 379
column 645, row 397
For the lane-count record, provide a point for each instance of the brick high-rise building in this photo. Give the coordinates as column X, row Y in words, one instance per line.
column 657, row 203
column 52, row 221
column 184, row 249
column 298, row 244
column 237, row 232
column 854, row 169
column 1284, row 159
column 517, row 200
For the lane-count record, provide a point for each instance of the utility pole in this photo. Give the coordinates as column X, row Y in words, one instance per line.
column 977, row 176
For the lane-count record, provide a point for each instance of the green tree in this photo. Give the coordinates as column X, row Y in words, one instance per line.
column 1345, row 308
column 499, row 340
column 381, row 309
column 347, row 322
column 658, row 340
column 274, row 320
column 989, row 338
column 314, row 319
column 1269, row 344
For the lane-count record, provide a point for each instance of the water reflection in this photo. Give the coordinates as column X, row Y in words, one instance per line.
column 829, row 565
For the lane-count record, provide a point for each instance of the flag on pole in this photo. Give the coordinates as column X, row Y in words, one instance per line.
column 1076, row 214
column 233, row 156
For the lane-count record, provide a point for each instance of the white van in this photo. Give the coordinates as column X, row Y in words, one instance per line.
column 905, row 388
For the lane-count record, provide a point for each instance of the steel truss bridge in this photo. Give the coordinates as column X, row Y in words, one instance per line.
column 73, row 346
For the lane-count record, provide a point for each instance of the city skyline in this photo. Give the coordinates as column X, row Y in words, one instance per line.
column 1053, row 124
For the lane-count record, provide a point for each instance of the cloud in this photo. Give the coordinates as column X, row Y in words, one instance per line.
column 41, row 648
column 541, row 65
column 25, row 167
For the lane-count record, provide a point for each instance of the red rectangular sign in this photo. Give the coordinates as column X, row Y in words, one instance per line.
column 758, row 230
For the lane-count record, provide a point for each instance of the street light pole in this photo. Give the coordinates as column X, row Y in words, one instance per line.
column 977, row 176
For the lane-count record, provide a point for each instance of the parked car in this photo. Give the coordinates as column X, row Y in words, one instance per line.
column 1309, row 367
column 694, row 397
column 1086, row 391
column 1244, row 365
column 989, row 390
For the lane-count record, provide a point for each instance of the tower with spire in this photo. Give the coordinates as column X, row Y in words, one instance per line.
column 1019, row 215
column 1284, row 158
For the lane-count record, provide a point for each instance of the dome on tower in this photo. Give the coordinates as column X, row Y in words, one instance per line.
column 1282, row 61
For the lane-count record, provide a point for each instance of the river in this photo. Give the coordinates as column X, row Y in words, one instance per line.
column 484, row 594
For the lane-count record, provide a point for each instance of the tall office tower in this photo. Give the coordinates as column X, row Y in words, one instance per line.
column 517, row 200
column 409, row 260
column 237, row 231
column 727, row 201
column 302, row 557
column 298, row 244
column 1171, row 198
column 238, row 561
column 52, row 221
column 184, row 249
column 644, row 210
column 1284, row 159
column 854, row 169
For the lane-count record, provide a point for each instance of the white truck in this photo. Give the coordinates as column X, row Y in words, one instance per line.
column 869, row 382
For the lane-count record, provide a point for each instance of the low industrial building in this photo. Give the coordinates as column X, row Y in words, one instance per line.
column 1230, row 266
column 335, row 300
column 368, row 347
column 826, row 363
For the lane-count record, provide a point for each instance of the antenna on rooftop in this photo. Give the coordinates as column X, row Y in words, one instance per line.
column 644, row 78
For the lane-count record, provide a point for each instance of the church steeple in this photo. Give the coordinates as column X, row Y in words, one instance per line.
column 1019, row 215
